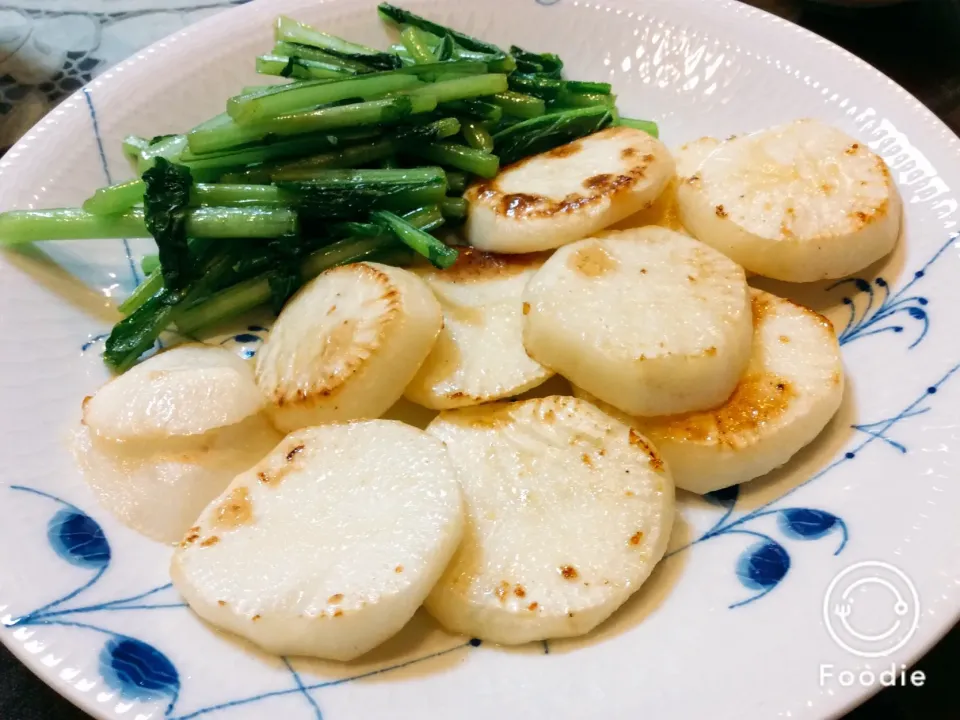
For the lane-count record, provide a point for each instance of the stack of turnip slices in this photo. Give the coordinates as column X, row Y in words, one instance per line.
column 509, row 520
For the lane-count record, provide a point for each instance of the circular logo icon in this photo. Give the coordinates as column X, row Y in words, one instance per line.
column 871, row 609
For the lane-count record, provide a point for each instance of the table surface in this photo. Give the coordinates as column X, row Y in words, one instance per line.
column 49, row 49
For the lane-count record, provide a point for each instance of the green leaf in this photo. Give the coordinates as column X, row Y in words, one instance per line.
column 546, row 64
column 401, row 107
column 159, row 139
column 165, row 202
column 546, row 132
column 285, row 280
column 405, row 17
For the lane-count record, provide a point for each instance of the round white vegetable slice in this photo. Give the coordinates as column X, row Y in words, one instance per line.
column 187, row 390
column 158, row 487
column 792, row 387
column 568, row 511
column 648, row 320
column 479, row 355
column 798, row 202
column 347, row 345
column 567, row 193
column 330, row 544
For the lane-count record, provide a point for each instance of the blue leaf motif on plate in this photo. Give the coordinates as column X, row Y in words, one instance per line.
column 763, row 565
column 806, row 523
column 78, row 539
column 137, row 670
column 724, row 497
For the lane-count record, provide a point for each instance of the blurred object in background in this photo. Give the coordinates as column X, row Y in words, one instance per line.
column 913, row 41
column 859, row 3
column 789, row 9
column 50, row 48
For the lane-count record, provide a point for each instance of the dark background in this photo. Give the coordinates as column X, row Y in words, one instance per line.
column 917, row 43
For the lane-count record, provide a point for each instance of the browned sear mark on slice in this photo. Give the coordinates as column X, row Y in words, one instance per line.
column 710, row 351
column 501, row 590
column 599, row 182
column 629, row 152
column 520, row 591
column 533, row 606
column 212, row 540
column 607, row 184
column 852, row 150
column 569, row 572
column 526, row 308
column 760, row 308
column 335, row 598
column 398, row 569
column 720, row 211
column 758, row 399
column 221, row 603
column 293, row 453
column 524, row 205
column 275, row 476
column 338, row 612
column 519, row 204
column 587, row 460
column 235, row 510
column 592, row 261
column 784, row 339
column 637, row 440
column 636, row 538
column 193, row 534
column 564, row 150
column 472, row 264
column 485, row 420
column 255, row 618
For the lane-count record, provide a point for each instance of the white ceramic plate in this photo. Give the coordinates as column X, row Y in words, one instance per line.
column 732, row 625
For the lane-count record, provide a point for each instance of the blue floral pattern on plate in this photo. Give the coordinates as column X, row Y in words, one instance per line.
column 133, row 668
